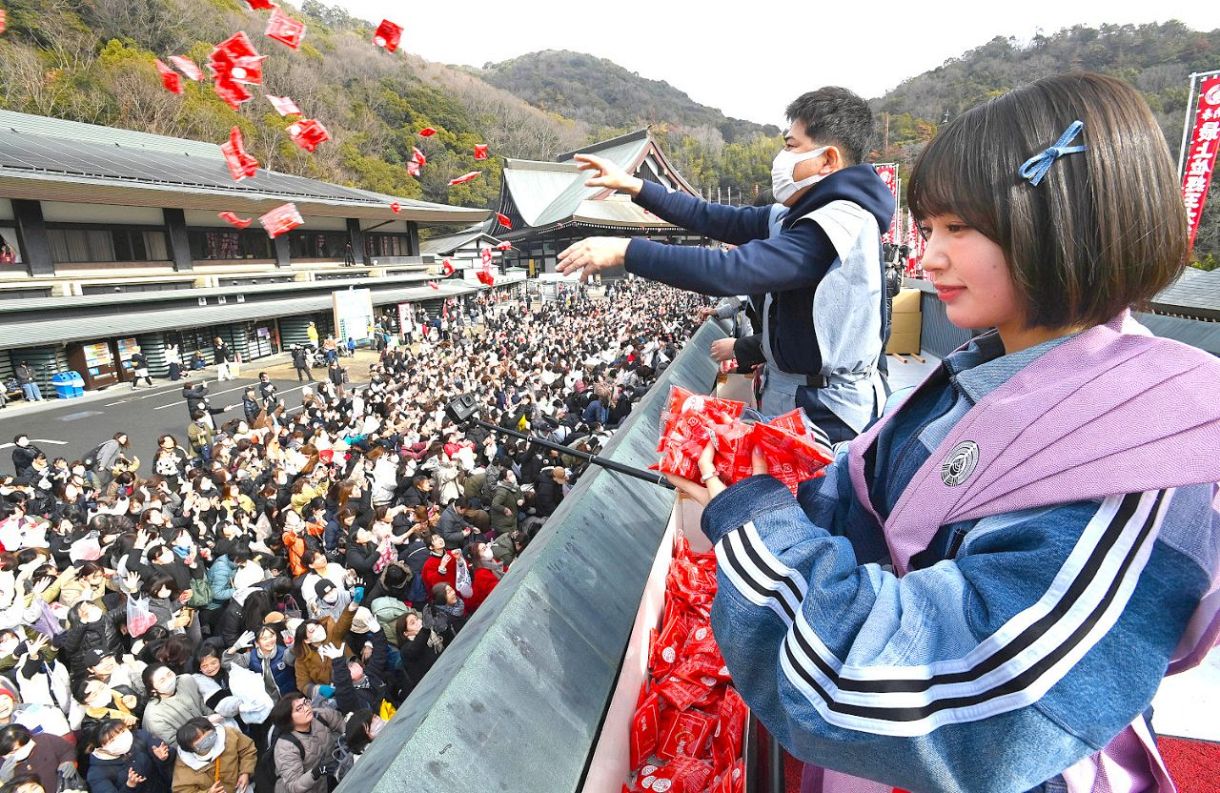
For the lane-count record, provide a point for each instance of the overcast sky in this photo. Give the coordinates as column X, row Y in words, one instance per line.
column 750, row 58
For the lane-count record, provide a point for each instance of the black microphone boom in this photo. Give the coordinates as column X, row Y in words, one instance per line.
column 465, row 410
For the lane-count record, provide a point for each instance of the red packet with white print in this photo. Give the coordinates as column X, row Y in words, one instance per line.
column 683, row 694
column 687, row 734
column 387, row 35
column 170, row 79
column 730, row 729
column 281, row 220
column 308, row 133
column 241, row 163
column 645, row 730
column 683, row 775
column 791, row 458
column 670, row 640
column 733, row 780
column 285, row 29
column 233, row 220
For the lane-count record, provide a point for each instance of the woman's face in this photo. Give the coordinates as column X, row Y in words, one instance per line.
column 450, row 596
column 315, row 634
column 970, row 274
column 209, row 665
column 414, row 623
column 302, row 714
column 266, row 642
column 164, row 681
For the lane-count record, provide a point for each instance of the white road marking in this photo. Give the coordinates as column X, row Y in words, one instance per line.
column 35, row 440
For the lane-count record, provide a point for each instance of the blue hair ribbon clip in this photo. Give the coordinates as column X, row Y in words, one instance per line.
column 1036, row 167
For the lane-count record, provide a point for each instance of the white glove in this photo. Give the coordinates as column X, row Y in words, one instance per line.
column 329, row 651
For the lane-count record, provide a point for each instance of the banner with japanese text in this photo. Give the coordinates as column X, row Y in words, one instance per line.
column 1201, row 156
column 888, row 171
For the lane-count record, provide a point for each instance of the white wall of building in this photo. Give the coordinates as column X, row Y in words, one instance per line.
column 6, row 209
column 63, row 212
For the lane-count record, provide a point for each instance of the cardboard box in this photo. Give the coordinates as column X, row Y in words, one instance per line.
column 905, row 332
column 907, row 301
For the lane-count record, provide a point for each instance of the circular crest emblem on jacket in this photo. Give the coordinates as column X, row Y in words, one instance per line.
column 960, row 463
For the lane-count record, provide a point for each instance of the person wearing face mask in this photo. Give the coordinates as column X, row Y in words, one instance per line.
column 44, row 755
column 173, row 701
column 329, row 601
column 485, row 573
column 320, row 569
column 102, row 701
column 126, row 760
column 506, row 500
column 211, row 758
column 812, row 262
column 311, row 668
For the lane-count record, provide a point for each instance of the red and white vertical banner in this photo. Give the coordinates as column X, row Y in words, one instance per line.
column 915, row 245
column 888, row 171
column 1201, row 156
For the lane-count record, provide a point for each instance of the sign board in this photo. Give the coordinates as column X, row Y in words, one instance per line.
column 127, row 348
column 353, row 310
column 97, row 354
column 1201, row 156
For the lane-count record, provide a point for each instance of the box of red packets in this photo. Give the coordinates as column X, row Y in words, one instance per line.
column 688, row 729
column 794, row 454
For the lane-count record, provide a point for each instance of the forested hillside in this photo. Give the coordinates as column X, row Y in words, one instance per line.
column 92, row 61
column 1155, row 58
column 604, row 94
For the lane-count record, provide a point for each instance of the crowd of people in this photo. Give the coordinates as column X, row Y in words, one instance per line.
column 246, row 609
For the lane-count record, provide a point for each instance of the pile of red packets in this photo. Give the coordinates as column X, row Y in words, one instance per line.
column 689, row 723
column 691, row 421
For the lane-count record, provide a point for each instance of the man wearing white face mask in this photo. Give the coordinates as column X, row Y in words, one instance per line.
column 812, row 262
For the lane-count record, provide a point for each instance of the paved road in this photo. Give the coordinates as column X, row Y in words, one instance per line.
column 71, row 428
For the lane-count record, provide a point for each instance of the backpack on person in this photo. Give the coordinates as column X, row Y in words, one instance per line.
column 265, row 774
column 90, row 461
column 489, row 483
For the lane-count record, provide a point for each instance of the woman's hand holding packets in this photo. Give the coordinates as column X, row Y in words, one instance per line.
column 703, row 492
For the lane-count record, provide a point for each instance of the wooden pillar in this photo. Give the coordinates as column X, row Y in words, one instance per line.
column 32, row 235
column 179, row 242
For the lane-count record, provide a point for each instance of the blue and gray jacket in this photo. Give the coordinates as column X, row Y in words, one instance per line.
column 981, row 669
column 820, row 282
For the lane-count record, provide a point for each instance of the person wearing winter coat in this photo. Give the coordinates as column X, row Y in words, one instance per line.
column 24, row 453
column 89, row 628
column 123, row 760
column 453, row 525
column 441, row 566
column 173, row 701
column 505, row 501
column 548, row 493
column 312, row 670
column 305, row 760
column 43, row 755
column 209, row 755
column 419, row 646
column 267, row 657
column 44, row 681
column 359, row 679
column 485, row 574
